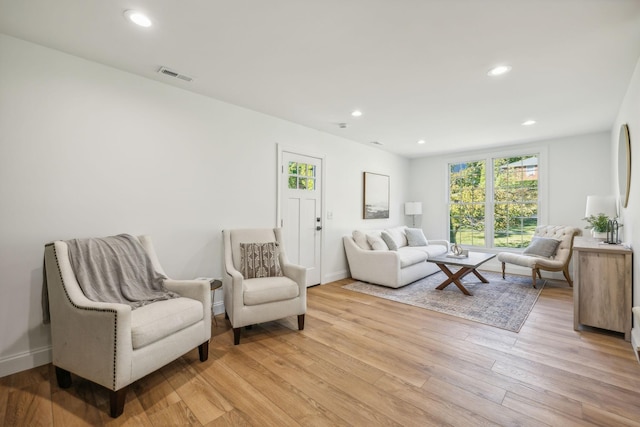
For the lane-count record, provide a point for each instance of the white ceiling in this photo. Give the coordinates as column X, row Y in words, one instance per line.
column 416, row 68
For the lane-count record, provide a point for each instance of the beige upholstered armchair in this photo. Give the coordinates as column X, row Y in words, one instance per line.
column 112, row 344
column 550, row 250
column 260, row 284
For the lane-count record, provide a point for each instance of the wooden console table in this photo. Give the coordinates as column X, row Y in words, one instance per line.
column 602, row 291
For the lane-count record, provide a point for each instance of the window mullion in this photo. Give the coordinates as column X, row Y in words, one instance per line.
column 489, row 203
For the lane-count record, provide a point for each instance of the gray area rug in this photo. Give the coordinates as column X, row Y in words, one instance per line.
column 501, row 303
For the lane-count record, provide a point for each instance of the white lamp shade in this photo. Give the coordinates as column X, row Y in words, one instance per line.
column 413, row 208
column 601, row 205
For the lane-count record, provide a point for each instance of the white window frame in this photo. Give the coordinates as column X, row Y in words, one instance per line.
column 487, row 157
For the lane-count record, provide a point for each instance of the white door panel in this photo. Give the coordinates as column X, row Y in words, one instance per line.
column 301, row 207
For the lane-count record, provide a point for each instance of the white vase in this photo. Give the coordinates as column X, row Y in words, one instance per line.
column 598, row 234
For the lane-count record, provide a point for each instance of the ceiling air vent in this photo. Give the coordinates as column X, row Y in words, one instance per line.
column 170, row 73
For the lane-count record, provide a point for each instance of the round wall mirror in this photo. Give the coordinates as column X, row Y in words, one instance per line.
column 624, row 165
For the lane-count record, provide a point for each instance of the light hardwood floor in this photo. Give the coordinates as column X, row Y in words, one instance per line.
column 366, row 361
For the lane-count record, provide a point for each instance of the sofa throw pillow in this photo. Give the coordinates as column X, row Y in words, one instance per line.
column 259, row 260
column 416, row 237
column 361, row 240
column 376, row 242
column 542, row 246
column 398, row 235
column 391, row 244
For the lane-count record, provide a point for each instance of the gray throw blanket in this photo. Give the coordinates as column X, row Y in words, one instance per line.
column 116, row 269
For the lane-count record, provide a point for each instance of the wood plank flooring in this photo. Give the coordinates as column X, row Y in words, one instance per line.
column 363, row 360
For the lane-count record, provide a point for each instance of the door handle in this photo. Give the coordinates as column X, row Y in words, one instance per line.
column 318, row 228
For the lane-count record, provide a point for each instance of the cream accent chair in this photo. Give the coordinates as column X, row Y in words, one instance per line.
column 251, row 301
column 113, row 345
column 559, row 262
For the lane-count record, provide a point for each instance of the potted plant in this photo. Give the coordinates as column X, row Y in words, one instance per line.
column 598, row 224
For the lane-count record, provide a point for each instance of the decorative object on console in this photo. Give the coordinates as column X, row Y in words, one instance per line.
column 376, row 196
column 599, row 210
column 413, row 209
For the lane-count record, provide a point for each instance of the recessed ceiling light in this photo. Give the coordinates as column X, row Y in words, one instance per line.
column 356, row 113
column 528, row 122
column 422, row 141
column 138, row 18
column 499, row 70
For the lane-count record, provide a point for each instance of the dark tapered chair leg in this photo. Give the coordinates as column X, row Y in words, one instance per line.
column 300, row 322
column 64, row 378
column 203, row 351
column 116, row 402
column 533, row 278
column 503, row 270
column 236, row 336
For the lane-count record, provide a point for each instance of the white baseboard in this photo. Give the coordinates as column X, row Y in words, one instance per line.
column 338, row 275
column 23, row 361
column 218, row 307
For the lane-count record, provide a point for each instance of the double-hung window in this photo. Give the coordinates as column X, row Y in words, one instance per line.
column 494, row 202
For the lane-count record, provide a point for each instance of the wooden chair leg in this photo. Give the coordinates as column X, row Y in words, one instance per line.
column 503, row 270
column 300, row 322
column 116, row 402
column 203, row 351
column 533, row 277
column 565, row 271
column 236, row 336
column 63, row 377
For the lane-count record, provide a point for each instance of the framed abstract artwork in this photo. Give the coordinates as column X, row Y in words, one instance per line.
column 376, row 196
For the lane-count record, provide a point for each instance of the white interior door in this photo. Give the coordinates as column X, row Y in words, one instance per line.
column 301, row 211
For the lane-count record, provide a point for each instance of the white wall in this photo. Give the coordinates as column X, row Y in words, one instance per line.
column 630, row 114
column 87, row 150
column 576, row 167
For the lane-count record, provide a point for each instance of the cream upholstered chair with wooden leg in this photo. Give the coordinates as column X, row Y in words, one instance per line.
column 550, row 250
column 260, row 284
column 113, row 344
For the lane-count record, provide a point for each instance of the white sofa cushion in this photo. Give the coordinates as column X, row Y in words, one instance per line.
column 398, row 235
column 361, row 240
column 431, row 250
column 376, row 242
column 410, row 256
column 160, row 319
column 269, row 289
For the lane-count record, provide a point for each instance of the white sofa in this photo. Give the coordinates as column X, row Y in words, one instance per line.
column 392, row 268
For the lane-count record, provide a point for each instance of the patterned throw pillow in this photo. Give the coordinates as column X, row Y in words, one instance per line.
column 259, row 260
